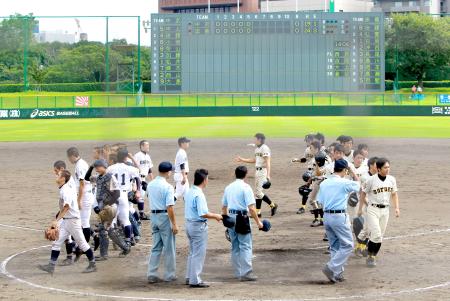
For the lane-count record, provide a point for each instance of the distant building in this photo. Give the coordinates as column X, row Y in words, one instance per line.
column 406, row 6
column 56, row 36
column 317, row 5
column 201, row 6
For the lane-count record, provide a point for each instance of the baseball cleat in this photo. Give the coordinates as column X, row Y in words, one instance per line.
column 101, row 258
column 66, row 262
column 137, row 239
column 371, row 261
column 325, row 237
column 200, row 285
column 153, row 279
column 49, row 268
column 172, row 279
column 248, row 277
column 315, row 223
column 91, row 268
column 340, row 278
column 329, row 274
column 273, row 210
column 301, row 210
column 186, row 281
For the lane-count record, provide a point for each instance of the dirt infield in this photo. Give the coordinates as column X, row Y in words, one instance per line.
column 414, row 262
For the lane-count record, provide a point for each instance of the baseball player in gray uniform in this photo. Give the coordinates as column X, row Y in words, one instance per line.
column 262, row 162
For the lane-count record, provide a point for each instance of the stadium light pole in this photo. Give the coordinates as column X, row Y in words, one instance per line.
column 209, row 6
column 296, row 5
column 267, row 5
column 237, row 5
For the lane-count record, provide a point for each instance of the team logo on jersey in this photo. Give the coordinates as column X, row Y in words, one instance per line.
column 39, row 113
column 382, row 189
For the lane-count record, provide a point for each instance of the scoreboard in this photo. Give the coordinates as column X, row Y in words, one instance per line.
column 276, row 52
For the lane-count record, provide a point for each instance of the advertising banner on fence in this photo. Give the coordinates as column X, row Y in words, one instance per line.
column 225, row 111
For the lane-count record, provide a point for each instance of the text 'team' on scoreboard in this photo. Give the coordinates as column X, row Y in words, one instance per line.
column 271, row 52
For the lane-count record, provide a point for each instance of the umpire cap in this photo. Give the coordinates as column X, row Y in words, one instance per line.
column 228, row 221
column 266, row 226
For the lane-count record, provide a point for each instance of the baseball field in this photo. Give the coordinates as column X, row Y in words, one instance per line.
column 414, row 261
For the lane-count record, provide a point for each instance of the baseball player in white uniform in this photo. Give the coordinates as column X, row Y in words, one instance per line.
column 58, row 167
column 380, row 190
column 125, row 174
column 181, row 168
column 145, row 165
column 262, row 162
column 84, row 188
column 363, row 236
column 347, row 143
column 70, row 225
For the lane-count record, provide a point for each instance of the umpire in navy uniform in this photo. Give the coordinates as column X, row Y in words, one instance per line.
column 333, row 195
column 197, row 215
column 239, row 203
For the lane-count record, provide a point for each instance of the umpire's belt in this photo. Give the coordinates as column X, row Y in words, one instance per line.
column 334, row 211
column 158, row 211
column 378, row 205
column 260, row 168
column 243, row 212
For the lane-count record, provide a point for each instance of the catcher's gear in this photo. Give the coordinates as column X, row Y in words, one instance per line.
column 304, row 190
column 320, row 159
column 358, row 225
column 51, row 233
column 132, row 197
column 352, row 200
column 118, row 239
column 307, row 175
column 266, row 184
column 266, row 226
column 107, row 214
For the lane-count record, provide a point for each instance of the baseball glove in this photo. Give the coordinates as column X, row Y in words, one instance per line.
column 353, row 199
column 132, row 197
column 107, row 214
column 51, row 233
column 266, row 184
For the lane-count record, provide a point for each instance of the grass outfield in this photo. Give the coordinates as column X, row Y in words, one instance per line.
column 222, row 127
column 99, row 99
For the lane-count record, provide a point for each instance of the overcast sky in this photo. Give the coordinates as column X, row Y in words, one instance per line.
column 95, row 28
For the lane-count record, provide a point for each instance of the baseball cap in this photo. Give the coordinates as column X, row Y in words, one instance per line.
column 100, row 163
column 183, row 140
column 340, row 164
column 165, row 166
column 266, row 226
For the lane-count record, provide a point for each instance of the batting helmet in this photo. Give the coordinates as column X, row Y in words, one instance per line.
column 321, row 158
column 307, row 175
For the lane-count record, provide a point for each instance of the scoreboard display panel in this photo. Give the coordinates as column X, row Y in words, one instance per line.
column 276, row 52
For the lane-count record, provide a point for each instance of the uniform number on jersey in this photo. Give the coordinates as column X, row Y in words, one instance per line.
column 255, row 109
column 123, row 178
